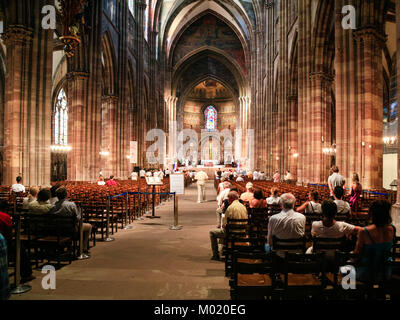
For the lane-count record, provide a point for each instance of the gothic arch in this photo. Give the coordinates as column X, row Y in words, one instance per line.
column 108, row 65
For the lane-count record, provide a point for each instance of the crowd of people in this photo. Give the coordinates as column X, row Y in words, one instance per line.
column 290, row 223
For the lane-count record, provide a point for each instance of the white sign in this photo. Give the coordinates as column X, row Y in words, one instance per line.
column 133, row 151
column 177, row 183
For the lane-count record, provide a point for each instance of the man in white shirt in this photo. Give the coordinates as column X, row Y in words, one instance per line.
column 277, row 176
column 255, row 175
column 18, row 187
column 240, row 179
column 149, row 174
column 134, row 176
column 142, row 173
column 201, row 178
column 288, row 224
column 336, row 180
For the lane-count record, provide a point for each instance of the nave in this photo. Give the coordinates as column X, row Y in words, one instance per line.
column 147, row 262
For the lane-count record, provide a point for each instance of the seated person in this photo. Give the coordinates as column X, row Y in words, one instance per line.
column 42, row 204
column 221, row 201
column 258, row 202
column 111, row 182
column 249, row 194
column 374, row 244
column 101, row 181
column 18, row 187
column 235, row 211
column 329, row 227
column 32, row 196
column 6, row 232
column 240, row 179
column 311, row 206
column 68, row 208
column 53, row 190
column 343, row 207
column 288, row 224
column 221, row 186
column 274, row 198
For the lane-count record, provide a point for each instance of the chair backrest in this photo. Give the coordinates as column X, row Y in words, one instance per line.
column 289, row 244
column 236, row 225
column 323, row 244
column 301, row 263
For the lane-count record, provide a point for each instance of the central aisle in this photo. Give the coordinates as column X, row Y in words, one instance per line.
column 149, row 262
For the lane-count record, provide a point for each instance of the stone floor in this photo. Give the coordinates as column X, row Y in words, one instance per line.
column 149, row 262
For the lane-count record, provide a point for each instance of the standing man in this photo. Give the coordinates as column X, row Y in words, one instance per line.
column 201, row 178
column 336, row 180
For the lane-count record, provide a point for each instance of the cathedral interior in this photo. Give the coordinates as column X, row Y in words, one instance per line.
column 93, row 88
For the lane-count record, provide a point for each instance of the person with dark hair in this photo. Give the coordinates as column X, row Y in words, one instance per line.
column 258, row 202
column 343, row 207
column 311, row 206
column 374, row 244
column 68, row 208
column 355, row 193
column 53, row 190
column 111, row 182
column 18, row 187
column 42, row 204
column 329, row 227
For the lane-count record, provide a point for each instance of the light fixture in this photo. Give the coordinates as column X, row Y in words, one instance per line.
column 104, row 153
column 60, row 148
column 389, row 140
column 128, row 157
column 296, row 155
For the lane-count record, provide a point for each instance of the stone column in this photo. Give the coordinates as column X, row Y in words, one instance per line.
column 77, row 123
column 293, row 139
column 109, row 141
column 27, row 112
column 396, row 207
column 171, row 102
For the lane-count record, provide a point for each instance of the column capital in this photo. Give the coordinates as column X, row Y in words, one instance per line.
column 17, row 33
column 109, row 98
column 77, row 75
column 269, row 4
column 322, row 76
column 371, row 34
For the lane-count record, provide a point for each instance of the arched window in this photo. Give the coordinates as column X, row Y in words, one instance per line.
column 132, row 7
column 61, row 119
column 211, row 118
column 146, row 20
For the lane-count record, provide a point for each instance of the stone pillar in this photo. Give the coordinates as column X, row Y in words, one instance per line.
column 293, row 139
column 109, row 141
column 396, row 207
column 27, row 120
column 320, row 125
column 77, row 123
column 171, row 102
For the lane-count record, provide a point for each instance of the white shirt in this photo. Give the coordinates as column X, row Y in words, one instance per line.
column 223, row 195
column 273, row 200
column 148, row 174
column 288, row 224
column 134, row 176
column 338, row 230
column 142, row 173
column 289, row 176
column 343, row 207
column 101, row 183
column 313, row 206
column 239, row 179
column 201, row 177
column 255, row 175
column 17, row 187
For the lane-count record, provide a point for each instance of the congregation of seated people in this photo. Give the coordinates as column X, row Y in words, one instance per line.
column 328, row 218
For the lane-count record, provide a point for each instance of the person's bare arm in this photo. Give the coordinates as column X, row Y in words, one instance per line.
column 360, row 242
column 303, row 207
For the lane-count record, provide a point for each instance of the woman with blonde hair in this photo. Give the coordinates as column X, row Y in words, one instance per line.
column 355, row 193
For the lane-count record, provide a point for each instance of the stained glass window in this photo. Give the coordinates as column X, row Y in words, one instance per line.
column 146, row 20
column 211, row 118
column 132, row 7
column 61, row 119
